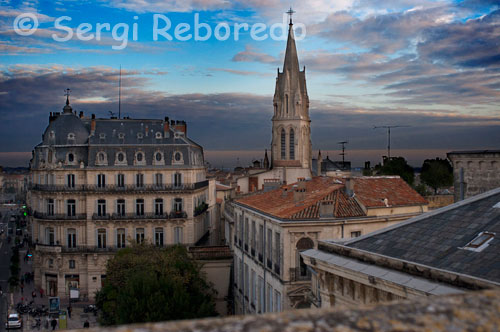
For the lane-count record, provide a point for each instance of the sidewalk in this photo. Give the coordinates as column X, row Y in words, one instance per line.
column 78, row 317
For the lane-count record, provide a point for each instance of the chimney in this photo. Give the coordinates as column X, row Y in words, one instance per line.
column 326, row 209
column 166, row 127
column 320, row 159
column 92, row 125
column 284, row 192
column 299, row 194
column 81, row 114
column 181, row 127
column 146, row 131
column 349, row 187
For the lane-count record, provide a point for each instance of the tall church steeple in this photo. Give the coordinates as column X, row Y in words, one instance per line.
column 291, row 142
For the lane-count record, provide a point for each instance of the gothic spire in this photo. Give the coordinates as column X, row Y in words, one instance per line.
column 291, row 59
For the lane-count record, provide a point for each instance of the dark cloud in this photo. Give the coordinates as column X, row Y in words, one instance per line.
column 224, row 121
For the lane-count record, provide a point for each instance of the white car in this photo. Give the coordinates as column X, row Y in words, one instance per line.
column 14, row 322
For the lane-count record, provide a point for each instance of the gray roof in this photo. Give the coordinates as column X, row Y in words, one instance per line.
column 436, row 239
column 385, row 274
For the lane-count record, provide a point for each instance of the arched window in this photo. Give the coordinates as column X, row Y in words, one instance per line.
column 286, row 104
column 292, row 144
column 283, row 144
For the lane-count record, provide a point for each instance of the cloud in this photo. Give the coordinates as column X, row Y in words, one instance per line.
column 241, row 72
column 251, row 55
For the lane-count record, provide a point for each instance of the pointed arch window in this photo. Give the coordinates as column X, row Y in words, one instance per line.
column 286, row 104
column 292, row 144
column 283, row 144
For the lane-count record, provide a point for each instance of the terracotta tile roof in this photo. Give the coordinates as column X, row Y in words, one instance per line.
column 369, row 192
column 283, row 205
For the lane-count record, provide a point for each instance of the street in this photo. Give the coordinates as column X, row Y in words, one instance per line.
column 5, row 253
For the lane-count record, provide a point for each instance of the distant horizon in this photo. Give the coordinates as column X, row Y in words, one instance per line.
column 233, row 158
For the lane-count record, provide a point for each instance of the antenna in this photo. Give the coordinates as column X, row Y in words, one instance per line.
column 343, row 151
column 120, row 94
column 389, row 137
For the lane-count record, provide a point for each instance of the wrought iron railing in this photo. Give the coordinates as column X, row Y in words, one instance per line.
column 61, row 216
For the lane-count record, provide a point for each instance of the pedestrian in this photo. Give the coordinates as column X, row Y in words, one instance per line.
column 53, row 323
column 69, row 311
column 33, row 294
column 86, row 325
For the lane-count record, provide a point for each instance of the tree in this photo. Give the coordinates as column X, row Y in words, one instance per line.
column 437, row 173
column 397, row 166
column 149, row 284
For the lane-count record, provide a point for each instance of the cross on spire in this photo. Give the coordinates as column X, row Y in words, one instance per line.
column 67, row 93
column 290, row 13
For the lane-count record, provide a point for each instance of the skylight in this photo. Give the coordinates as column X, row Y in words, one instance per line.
column 480, row 242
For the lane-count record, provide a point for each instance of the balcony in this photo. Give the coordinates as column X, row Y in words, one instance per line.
column 177, row 215
column 200, row 209
column 46, row 248
column 46, row 216
column 121, row 189
column 129, row 216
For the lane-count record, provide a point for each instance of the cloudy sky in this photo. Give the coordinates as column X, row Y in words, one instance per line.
column 431, row 65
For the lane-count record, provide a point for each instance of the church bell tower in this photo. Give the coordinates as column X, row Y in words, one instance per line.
column 291, row 136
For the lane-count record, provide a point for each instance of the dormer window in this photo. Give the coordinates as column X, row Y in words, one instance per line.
column 101, row 158
column 121, row 135
column 71, row 136
column 121, row 157
column 71, row 157
column 158, row 135
column 140, row 156
column 140, row 159
column 140, row 136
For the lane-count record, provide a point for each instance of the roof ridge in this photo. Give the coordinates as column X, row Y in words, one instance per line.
column 423, row 216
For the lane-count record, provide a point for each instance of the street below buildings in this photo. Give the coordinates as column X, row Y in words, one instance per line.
column 12, row 297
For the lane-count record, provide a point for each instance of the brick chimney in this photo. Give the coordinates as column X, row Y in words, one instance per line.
column 349, row 186
column 181, row 126
column 92, row 125
column 299, row 194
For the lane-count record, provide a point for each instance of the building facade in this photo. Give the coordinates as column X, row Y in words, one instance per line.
column 96, row 185
column 474, row 172
column 271, row 229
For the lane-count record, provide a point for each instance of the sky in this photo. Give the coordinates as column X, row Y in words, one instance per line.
column 432, row 66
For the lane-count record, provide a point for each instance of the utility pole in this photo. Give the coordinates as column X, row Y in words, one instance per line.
column 343, row 151
column 389, row 137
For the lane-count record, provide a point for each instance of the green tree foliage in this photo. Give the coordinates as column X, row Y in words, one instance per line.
column 148, row 284
column 437, row 173
column 397, row 166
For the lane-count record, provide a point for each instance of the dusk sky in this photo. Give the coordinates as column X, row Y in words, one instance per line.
column 431, row 65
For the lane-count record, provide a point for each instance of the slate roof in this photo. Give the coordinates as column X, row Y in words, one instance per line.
column 436, row 238
column 369, row 192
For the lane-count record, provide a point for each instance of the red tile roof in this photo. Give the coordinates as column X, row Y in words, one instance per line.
column 369, row 192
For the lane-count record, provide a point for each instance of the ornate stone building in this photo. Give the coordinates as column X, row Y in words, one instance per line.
column 271, row 229
column 446, row 251
column 96, row 185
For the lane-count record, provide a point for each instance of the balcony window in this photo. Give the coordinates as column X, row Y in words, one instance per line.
column 72, row 264
column 178, row 236
column 70, row 179
column 139, row 180
column 50, row 207
column 101, row 238
column 120, row 238
column 120, row 180
column 120, row 207
column 101, row 207
column 71, row 207
column 159, row 179
column 139, row 235
column 159, row 237
column 158, row 206
column 71, row 238
column 177, row 180
column 178, row 205
column 101, row 180
column 139, row 207
column 49, row 236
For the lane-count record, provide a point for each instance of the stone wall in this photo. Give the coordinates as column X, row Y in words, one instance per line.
column 474, row 311
column 439, row 201
column 481, row 171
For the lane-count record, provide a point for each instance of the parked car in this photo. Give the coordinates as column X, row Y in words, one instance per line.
column 13, row 322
